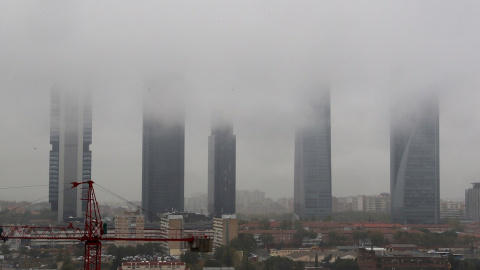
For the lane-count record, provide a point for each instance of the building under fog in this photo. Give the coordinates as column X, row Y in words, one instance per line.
column 163, row 154
column 312, row 167
column 414, row 160
column 221, row 168
column 70, row 155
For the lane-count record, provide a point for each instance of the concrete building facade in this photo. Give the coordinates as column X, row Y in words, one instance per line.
column 70, row 154
column 472, row 202
column 414, row 160
column 312, row 168
column 225, row 229
column 172, row 226
column 129, row 225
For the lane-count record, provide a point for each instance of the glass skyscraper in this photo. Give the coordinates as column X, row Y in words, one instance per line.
column 163, row 156
column 312, row 168
column 70, row 155
column 414, row 160
column 221, row 168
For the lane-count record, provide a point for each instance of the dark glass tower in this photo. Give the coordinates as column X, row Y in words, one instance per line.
column 162, row 157
column 221, row 168
column 312, row 168
column 70, row 155
column 414, row 160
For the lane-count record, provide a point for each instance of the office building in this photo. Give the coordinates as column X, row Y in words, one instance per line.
column 70, row 155
column 163, row 155
column 472, row 202
column 312, row 168
column 221, row 168
column 414, row 160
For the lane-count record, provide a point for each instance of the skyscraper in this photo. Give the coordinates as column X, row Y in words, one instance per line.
column 163, row 155
column 414, row 160
column 221, row 168
column 70, row 155
column 312, row 168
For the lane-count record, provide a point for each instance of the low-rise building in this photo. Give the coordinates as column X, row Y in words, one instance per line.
column 172, row 226
column 225, row 229
column 369, row 260
column 129, row 225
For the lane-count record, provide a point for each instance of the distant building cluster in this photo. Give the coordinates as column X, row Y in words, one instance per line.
column 247, row 202
column 373, row 203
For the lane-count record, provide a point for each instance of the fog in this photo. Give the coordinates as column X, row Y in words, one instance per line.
column 256, row 60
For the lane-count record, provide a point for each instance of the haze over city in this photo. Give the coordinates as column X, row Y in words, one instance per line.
column 255, row 60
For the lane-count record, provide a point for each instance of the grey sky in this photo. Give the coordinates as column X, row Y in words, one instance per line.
column 259, row 57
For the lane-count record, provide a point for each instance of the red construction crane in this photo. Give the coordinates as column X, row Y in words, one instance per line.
column 93, row 233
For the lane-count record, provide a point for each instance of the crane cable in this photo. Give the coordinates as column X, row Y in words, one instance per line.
column 27, row 203
column 123, row 199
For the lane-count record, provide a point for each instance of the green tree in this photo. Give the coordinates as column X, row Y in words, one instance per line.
column 190, row 258
column 376, row 238
column 212, row 263
column 67, row 263
column 267, row 239
column 244, row 242
column 345, row 264
column 359, row 235
column 285, row 225
column 279, row 263
column 224, row 255
column 265, row 224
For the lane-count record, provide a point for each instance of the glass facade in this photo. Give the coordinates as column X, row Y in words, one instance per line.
column 312, row 168
column 414, row 161
column 162, row 161
column 70, row 155
column 221, row 169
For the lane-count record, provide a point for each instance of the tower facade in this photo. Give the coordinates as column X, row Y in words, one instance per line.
column 414, row 160
column 70, row 155
column 163, row 157
column 313, row 168
column 472, row 202
column 221, row 168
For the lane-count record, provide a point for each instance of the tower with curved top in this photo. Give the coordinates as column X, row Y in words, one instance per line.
column 414, row 160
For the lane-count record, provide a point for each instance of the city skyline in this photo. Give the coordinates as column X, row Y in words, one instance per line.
column 260, row 57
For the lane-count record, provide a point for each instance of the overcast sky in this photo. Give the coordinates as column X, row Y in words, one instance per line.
column 259, row 58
